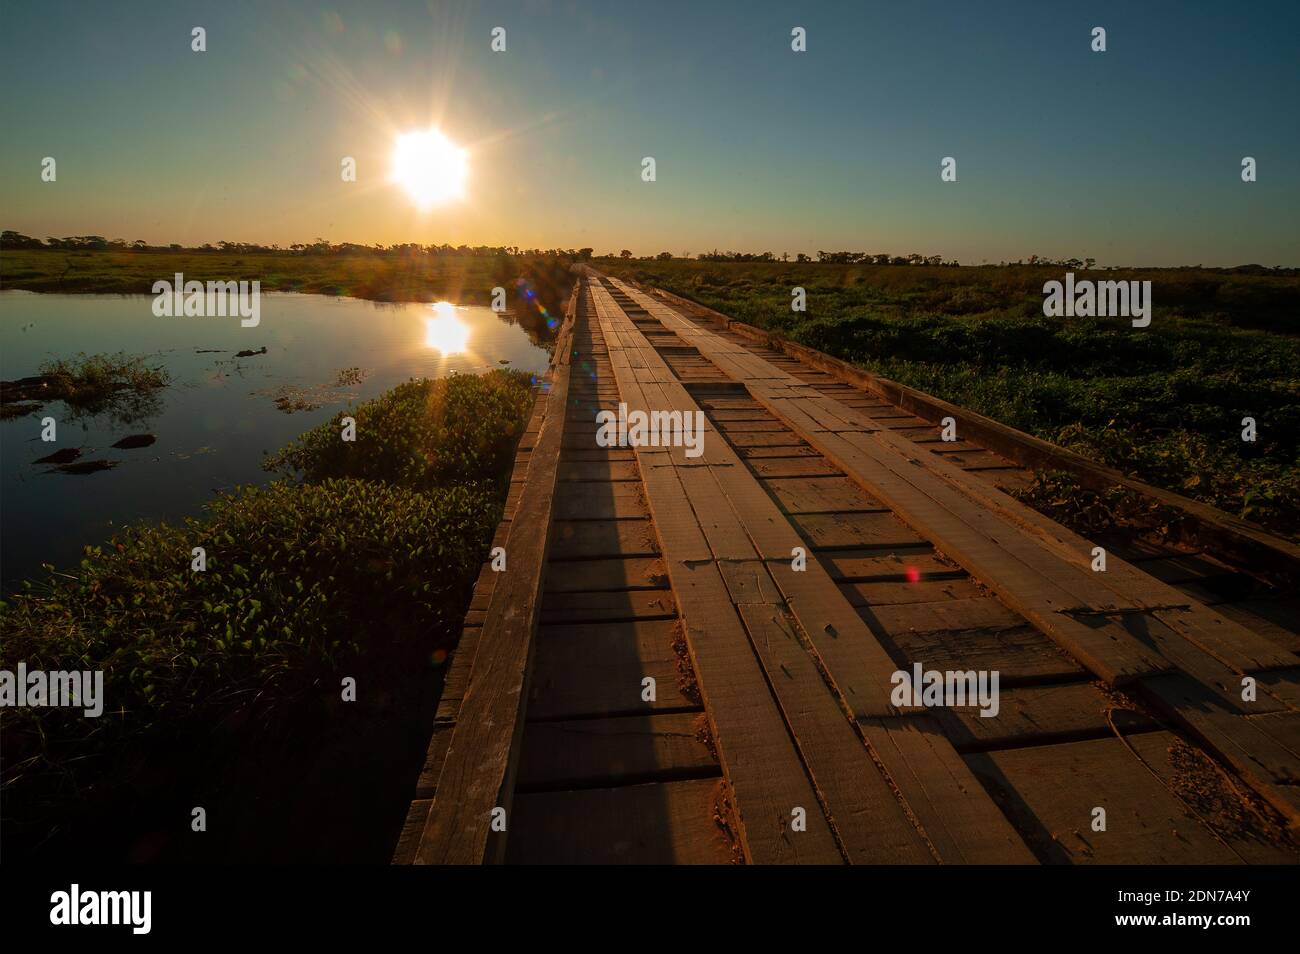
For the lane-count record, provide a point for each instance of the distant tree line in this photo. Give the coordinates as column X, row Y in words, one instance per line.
column 10, row 239
column 97, row 243
column 832, row 258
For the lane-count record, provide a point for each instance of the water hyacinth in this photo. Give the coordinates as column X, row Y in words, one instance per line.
column 421, row 434
column 362, row 568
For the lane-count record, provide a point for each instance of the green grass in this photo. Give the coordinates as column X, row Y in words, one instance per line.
column 1163, row 404
column 89, row 379
column 223, row 687
column 119, row 384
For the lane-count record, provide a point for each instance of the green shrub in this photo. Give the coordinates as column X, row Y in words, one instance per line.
column 93, row 377
column 362, row 569
column 302, row 583
column 421, row 434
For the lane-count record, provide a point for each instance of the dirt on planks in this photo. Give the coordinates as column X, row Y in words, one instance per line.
column 1232, row 809
column 686, row 683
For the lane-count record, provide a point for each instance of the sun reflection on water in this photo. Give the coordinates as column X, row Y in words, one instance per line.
column 444, row 331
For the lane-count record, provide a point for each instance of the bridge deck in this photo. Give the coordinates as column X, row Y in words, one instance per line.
column 691, row 658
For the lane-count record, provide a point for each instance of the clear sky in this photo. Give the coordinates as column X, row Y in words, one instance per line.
column 1131, row 156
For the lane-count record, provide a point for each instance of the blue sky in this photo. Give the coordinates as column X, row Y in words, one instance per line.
column 1129, row 156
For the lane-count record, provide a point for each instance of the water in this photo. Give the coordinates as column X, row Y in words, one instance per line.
column 218, row 415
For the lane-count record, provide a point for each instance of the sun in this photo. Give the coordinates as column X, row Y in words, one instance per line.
column 430, row 167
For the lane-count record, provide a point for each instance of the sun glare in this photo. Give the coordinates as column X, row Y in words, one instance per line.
column 444, row 331
column 430, row 167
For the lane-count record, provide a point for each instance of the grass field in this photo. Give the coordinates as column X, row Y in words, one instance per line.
column 1164, row 403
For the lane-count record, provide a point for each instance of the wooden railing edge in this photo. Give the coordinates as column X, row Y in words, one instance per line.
column 425, row 803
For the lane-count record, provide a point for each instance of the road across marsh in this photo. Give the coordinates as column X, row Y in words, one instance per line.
column 714, row 651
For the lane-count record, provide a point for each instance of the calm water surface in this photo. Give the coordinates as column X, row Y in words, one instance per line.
column 219, row 415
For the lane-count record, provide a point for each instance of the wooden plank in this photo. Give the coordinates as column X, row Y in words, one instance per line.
column 599, row 455
column 1266, row 763
column 983, row 612
column 806, row 465
column 766, row 776
column 600, row 753
column 589, row 539
column 957, row 815
column 801, row 495
column 1216, row 678
column 613, row 573
column 617, row 500
column 846, row 530
column 1210, row 638
column 1272, row 619
column 1282, row 684
column 764, row 439
column 1255, row 836
column 654, row 824
column 868, row 818
column 596, row 470
column 1038, row 714
column 477, row 773
column 922, row 591
column 1230, row 643
column 1146, row 823
column 917, row 562
column 1020, row 653
column 458, row 668
column 597, row 669
column 612, row 606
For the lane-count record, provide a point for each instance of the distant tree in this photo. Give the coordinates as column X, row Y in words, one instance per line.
column 11, row 239
column 881, row 258
column 626, row 253
column 665, row 256
column 801, row 257
column 584, row 254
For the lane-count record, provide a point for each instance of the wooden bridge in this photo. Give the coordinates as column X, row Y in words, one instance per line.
column 693, row 659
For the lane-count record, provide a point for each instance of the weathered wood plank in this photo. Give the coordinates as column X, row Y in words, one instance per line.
column 600, row 753
column 741, row 522
column 1020, row 653
column 1036, row 714
column 1145, row 822
column 598, row 669
column 477, row 772
column 765, row 773
column 654, row 824
column 613, row 573
column 613, row 606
